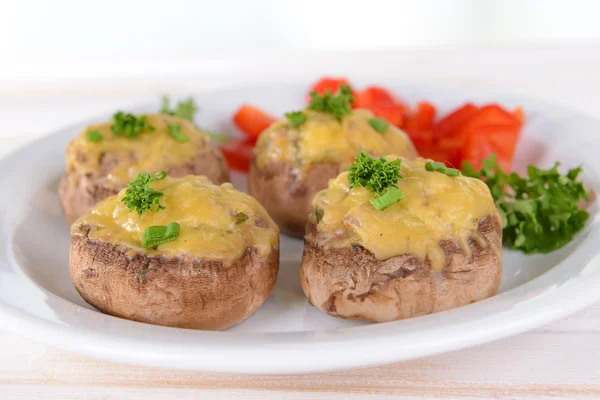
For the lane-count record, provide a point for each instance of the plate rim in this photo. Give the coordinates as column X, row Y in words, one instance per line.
column 565, row 299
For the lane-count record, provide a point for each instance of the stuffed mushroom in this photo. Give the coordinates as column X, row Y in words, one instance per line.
column 393, row 238
column 176, row 252
column 295, row 158
column 104, row 157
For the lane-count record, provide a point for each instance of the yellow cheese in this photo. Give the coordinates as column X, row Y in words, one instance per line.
column 149, row 152
column 205, row 212
column 324, row 139
column 436, row 208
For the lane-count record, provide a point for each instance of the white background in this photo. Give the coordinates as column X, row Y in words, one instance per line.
column 65, row 60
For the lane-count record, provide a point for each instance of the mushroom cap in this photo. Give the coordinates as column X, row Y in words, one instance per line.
column 352, row 283
column 97, row 170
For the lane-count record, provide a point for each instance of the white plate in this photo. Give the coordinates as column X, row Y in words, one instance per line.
column 286, row 335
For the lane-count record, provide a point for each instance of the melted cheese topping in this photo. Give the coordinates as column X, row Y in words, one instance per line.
column 205, row 212
column 324, row 139
column 149, row 152
column 436, row 208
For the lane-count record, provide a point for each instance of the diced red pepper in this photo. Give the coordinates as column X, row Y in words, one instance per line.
column 252, row 121
column 419, row 125
column 238, row 154
column 453, row 122
column 499, row 139
column 492, row 114
column 382, row 104
column 519, row 115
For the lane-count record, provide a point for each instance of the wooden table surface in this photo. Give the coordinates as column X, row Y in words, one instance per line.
column 559, row 360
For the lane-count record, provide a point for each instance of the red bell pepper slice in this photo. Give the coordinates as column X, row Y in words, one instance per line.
column 382, row 104
column 419, row 124
column 252, row 121
column 238, row 154
column 453, row 122
column 500, row 139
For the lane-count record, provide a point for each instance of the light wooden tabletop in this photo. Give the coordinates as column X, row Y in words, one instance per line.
column 559, row 360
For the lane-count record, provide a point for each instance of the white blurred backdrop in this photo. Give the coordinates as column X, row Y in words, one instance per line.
column 59, row 56
column 30, row 29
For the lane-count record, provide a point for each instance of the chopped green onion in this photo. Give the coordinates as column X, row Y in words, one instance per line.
column 176, row 133
column 434, row 166
column 379, row 124
column 94, row 136
column 296, row 118
column 158, row 234
column 240, row 218
column 390, row 196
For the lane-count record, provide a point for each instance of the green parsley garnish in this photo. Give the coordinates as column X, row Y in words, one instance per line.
column 434, row 166
column 94, row 136
column 177, row 133
column 338, row 104
column 140, row 196
column 184, row 109
column 540, row 211
column 240, row 218
column 379, row 176
column 379, row 124
column 129, row 125
column 296, row 118
column 158, row 234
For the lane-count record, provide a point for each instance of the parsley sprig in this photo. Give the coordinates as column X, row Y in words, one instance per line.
column 338, row 104
column 184, row 109
column 129, row 125
column 295, row 118
column 379, row 176
column 140, row 196
column 540, row 211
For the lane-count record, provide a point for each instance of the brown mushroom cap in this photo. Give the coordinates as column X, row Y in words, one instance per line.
column 179, row 291
column 90, row 174
column 79, row 193
column 352, row 283
column 286, row 196
column 290, row 165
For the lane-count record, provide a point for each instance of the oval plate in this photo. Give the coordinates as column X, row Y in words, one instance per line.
column 286, row 335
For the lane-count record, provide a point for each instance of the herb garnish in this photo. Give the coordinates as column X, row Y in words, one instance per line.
column 379, row 176
column 379, row 124
column 140, row 196
column 184, row 109
column 129, row 125
column 177, row 133
column 295, row 118
column 240, row 218
column 434, row 166
column 540, row 211
column 319, row 214
column 158, row 234
column 338, row 104
column 94, row 136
